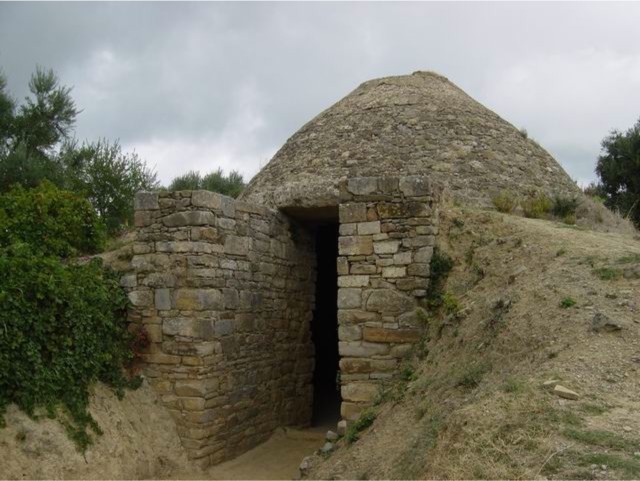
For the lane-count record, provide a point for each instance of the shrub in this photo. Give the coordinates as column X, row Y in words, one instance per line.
column 567, row 302
column 215, row 181
column 536, row 206
column 62, row 327
column 505, row 201
column 472, row 376
column 564, row 206
column 441, row 265
column 52, row 221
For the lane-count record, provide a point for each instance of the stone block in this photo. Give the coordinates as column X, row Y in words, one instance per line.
column 163, row 299
column 198, row 299
column 362, row 349
column 349, row 298
column 355, row 245
column 394, row 272
column 349, row 333
column 196, row 387
column 357, row 316
column 363, row 269
column 359, row 392
column 353, row 281
column 415, row 186
column 361, row 365
column 420, row 270
column 368, row 228
column 343, row 266
column 416, row 318
column 224, row 327
column 208, row 234
column 231, row 298
column 189, row 327
column 141, row 298
column 389, row 301
column 388, row 185
column 353, row 212
column 386, row 247
column 189, row 218
column 348, row 229
column 130, row 280
column 379, row 334
column 205, row 198
column 362, row 185
column 423, row 254
column 146, row 201
column 402, row 258
column 351, row 411
column 236, row 245
column 142, row 218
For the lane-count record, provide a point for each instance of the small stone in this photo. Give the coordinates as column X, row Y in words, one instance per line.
column 327, row 448
column 602, row 323
column 550, row 384
column 305, row 465
column 565, row 393
column 331, row 436
column 627, row 428
column 342, row 428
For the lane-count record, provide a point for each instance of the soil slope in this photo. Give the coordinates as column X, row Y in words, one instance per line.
column 139, row 441
column 528, row 301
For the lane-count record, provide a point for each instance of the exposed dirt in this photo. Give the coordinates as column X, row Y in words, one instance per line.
column 474, row 405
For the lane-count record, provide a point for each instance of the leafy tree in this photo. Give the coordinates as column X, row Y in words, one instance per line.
column 231, row 185
column 108, row 177
column 619, row 171
column 36, row 145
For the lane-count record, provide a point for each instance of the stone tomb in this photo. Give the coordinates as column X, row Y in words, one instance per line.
column 225, row 291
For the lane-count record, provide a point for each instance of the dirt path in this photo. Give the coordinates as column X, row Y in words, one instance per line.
column 278, row 458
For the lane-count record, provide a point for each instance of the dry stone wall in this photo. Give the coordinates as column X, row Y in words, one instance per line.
column 388, row 228
column 225, row 291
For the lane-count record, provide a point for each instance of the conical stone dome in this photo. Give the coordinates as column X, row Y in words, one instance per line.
column 419, row 124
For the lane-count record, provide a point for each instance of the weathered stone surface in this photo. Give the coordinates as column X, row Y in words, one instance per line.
column 146, row 201
column 386, row 247
column 189, row 218
column 394, row 272
column 141, row 298
column 349, row 298
column 356, row 212
column 602, row 323
column 342, row 427
column 349, row 333
column 198, row 299
column 188, row 327
column 414, row 186
column 378, row 334
column 237, row 245
column 355, row 245
column 362, row 185
column 163, row 299
column 369, row 228
column 205, row 198
column 353, row 281
column 389, row 301
column 363, row 365
column 362, row 349
column 359, row 392
column 563, row 392
column 423, row 255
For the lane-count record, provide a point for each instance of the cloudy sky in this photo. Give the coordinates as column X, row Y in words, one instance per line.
column 207, row 85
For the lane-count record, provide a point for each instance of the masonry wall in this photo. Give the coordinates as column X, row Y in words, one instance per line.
column 225, row 291
column 388, row 227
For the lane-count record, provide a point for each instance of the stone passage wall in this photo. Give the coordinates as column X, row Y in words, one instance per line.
column 225, row 291
column 387, row 235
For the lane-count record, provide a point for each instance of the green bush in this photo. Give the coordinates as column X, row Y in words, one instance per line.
column 441, row 265
column 536, row 206
column 53, row 222
column 215, row 181
column 564, row 207
column 62, row 327
column 505, row 201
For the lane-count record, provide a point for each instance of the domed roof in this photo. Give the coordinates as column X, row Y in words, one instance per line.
column 407, row 125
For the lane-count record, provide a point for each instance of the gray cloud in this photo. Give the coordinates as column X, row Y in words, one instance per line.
column 202, row 85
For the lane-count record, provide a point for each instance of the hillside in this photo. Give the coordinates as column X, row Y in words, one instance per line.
column 529, row 301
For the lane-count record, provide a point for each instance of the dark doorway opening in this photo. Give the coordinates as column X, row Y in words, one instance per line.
column 324, row 328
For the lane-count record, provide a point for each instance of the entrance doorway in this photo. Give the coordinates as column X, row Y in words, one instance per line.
column 324, row 328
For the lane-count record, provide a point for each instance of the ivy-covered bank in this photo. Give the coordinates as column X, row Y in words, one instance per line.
column 63, row 319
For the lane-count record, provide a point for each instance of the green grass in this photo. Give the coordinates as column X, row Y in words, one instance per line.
column 630, row 466
column 605, row 439
column 472, row 376
column 513, row 385
column 607, row 273
column 594, row 409
column 631, row 258
column 567, row 302
column 366, row 419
